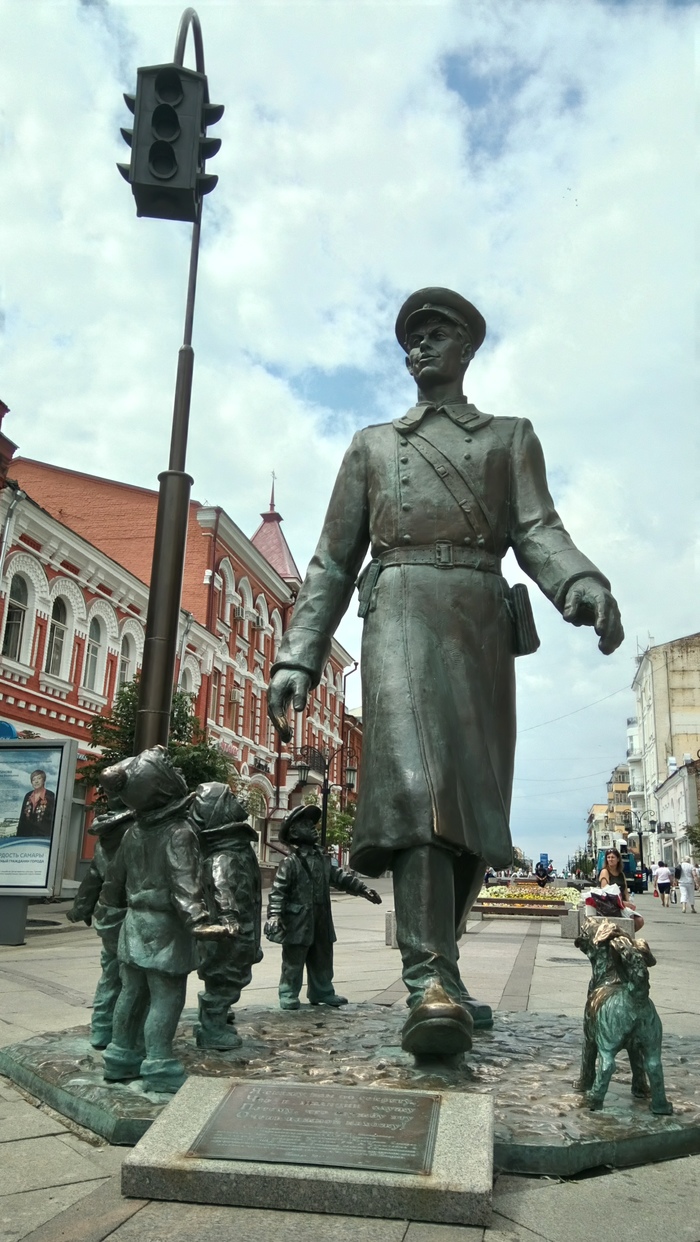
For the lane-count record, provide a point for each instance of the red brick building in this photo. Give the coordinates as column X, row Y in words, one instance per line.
column 75, row 560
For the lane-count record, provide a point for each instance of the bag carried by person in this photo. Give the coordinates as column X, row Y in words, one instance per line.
column 606, row 901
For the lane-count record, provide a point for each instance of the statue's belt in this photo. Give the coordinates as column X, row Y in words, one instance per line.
column 440, row 555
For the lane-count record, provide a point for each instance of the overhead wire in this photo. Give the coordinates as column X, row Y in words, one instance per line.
column 575, row 712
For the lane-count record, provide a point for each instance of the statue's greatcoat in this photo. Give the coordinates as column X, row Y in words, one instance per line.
column 438, row 697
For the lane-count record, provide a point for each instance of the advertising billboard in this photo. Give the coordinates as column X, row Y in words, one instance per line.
column 36, row 788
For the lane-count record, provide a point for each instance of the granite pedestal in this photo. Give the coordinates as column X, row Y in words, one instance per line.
column 457, row 1190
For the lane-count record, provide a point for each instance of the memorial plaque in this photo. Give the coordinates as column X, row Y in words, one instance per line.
column 340, row 1127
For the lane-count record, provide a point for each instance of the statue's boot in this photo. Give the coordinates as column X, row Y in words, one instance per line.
column 213, row 1030
column 437, row 1026
column 289, row 1002
column 100, row 1036
column 166, row 1074
column 121, row 1064
column 481, row 1014
column 332, row 998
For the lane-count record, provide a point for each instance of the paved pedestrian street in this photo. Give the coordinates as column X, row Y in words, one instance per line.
column 59, row 1183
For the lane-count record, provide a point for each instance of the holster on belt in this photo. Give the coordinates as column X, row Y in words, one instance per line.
column 526, row 640
column 366, row 583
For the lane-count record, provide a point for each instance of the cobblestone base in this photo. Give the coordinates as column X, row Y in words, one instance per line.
column 527, row 1060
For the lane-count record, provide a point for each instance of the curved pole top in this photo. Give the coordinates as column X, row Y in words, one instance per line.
column 189, row 18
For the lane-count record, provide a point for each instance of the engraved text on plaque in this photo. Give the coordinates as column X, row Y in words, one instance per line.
column 341, row 1127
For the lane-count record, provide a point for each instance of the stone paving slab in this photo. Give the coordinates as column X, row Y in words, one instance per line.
column 25, row 1211
column 190, row 1222
column 650, row 1204
column 419, row 1231
column 39, row 1163
column 93, row 1217
column 21, row 1120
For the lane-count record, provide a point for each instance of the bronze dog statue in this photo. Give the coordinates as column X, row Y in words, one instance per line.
column 619, row 1014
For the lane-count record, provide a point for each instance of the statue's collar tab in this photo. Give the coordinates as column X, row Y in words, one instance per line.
column 463, row 412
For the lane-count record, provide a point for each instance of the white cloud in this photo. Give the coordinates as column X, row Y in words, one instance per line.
column 554, row 185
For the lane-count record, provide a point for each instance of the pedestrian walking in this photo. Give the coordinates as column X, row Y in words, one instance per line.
column 663, row 882
column 686, row 885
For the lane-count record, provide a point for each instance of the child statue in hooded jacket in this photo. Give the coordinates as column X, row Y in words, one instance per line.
column 154, row 885
column 109, row 828
column 299, row 911
column 233, row 894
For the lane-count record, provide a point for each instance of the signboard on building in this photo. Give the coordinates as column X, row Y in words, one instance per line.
column 544, row 858
column 36, row 787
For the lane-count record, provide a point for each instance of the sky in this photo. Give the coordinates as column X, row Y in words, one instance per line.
column 537, row 156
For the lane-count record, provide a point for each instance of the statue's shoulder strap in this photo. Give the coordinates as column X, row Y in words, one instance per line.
column 458, row 481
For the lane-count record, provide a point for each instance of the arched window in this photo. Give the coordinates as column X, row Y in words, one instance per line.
column 92, row 654
column 16, row 618
column 57, row 638
column 126, row 662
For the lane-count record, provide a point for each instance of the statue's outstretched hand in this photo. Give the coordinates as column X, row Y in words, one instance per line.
column 373, row 896
column 288, row 685
column 588, row 602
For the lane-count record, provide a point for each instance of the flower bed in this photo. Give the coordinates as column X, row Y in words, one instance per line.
column 527, row 894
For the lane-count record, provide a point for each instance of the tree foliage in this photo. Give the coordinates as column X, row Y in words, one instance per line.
column 693, row 835
column 188, row 745
column 581, row 861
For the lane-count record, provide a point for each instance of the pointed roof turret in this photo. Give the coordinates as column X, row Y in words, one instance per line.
column 271, row 543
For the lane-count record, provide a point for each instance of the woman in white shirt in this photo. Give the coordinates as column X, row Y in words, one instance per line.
column 686, row 884
column 663, row 883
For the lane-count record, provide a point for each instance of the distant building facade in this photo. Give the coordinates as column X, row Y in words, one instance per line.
column 677, row 799
column 598, row 835
column 75, row 554
column 664, row 738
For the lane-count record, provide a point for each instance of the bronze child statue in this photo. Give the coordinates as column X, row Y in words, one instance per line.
column 155, row 878
column 619, row 1014
column 299, row 911
column 109, row 828
column 438, row 496
column 232, row 889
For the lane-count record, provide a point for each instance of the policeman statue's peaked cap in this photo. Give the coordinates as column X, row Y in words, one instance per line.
column 445, row 302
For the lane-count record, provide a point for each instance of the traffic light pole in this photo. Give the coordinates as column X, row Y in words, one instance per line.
column 162, row 621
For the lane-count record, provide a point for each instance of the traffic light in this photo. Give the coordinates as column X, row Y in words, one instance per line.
column 169, row 143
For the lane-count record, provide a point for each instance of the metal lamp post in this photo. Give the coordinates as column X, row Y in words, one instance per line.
column 169, row 147
column 639, row 816
column 309, row 759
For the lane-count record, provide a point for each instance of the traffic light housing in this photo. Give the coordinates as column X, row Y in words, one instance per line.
column 169, row 143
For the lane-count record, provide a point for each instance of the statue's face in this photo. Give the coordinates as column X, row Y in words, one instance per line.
column 304, row 833
column 437, row 352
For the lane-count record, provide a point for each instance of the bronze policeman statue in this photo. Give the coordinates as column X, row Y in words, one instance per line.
column 438, row 496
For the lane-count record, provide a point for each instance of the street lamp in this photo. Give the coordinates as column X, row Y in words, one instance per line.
column 351, row 772
column 310, row 758
column 639, row 816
